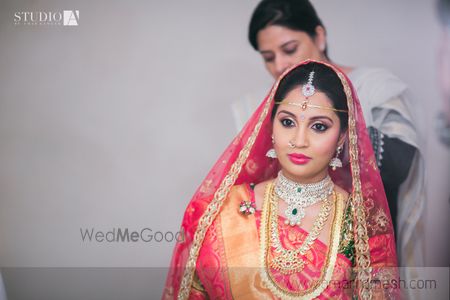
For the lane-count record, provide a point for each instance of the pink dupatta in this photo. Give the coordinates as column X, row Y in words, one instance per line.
column 244, row 161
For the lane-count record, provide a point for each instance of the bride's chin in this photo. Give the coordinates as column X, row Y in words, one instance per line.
column 296, row 176
column 304, row 175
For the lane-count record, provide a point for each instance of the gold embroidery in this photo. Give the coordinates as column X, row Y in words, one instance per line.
column 347, row 246
column 384, row 283
column 381, row 221
column 214, row 207
column 361, row 235
column 373, row 163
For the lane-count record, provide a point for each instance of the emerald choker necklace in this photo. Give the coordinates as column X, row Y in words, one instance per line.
column 298, row 196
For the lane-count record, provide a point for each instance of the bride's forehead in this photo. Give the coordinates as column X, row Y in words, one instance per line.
column 316, row 105
column 319, row 98
column 310, row 112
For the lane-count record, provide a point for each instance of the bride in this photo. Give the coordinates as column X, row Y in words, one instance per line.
column 295, row 207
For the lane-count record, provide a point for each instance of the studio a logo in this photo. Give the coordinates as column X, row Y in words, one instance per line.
column 71, row 17
column 47, row 18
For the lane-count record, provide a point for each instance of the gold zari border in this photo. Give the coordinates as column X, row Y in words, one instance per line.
column 364, row 271
column 219, row 196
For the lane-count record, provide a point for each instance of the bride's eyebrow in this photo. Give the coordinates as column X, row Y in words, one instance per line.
column 310, row 119
column 321, row 117
column 287, row 112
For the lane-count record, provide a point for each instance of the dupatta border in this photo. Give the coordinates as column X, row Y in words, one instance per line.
column 215, row 205
column 364, row 271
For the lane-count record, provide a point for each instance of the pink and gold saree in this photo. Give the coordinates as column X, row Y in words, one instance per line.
column 222, row 256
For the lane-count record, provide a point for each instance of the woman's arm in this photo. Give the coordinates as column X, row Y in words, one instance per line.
column 394, row 158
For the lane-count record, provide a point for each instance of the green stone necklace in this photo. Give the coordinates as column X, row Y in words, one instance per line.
column 298, row 196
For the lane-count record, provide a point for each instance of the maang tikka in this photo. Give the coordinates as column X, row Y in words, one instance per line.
column 308, row 89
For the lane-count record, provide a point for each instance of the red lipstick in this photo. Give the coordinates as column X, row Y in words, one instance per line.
column 298, row 158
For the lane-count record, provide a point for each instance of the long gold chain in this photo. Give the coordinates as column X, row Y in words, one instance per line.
column 289, row 261
column 317, row 286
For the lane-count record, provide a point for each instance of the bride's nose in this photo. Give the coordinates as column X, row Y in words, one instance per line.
column 300, row 139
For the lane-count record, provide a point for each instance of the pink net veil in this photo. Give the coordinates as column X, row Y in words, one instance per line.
column 244, row 160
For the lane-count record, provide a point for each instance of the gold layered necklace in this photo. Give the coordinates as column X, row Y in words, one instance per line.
column 289, row 261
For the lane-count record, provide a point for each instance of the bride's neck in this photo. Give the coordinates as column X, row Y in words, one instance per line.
column 305, row 180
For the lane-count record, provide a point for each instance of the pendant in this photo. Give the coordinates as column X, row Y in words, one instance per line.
column 294, row 214
column 287, row 264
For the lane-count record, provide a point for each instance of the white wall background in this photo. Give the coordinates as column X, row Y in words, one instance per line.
column 114, row 123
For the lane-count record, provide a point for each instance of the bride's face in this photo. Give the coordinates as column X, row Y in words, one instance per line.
column 315, row 132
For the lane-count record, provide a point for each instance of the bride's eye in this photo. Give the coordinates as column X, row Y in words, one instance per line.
column 287, row 123
column 320, row 127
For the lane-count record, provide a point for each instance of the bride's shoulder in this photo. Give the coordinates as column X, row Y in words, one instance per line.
column 339, row 190
column 259, row 191
column 260, row 188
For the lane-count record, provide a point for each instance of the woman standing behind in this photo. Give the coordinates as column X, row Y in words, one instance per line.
column 286, row 32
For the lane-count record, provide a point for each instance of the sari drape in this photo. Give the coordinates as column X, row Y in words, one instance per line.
column 244, row 161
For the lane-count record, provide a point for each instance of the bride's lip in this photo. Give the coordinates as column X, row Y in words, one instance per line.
column 298, row 158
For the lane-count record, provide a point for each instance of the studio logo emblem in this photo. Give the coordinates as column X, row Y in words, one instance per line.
column 47, row 18
column 71, row 17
